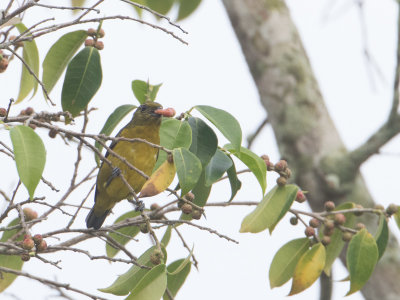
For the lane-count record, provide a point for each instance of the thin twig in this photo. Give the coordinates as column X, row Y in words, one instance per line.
column 251, row 138
column 195, row 262
column 68, row 7
column 66, row 286
column 80, row 206
column 45, row 30
column 210, row 230
column 8, row 110
column 154, row 13
column 32, row 73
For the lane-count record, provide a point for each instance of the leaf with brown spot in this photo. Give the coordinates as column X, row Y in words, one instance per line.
column 159, row 180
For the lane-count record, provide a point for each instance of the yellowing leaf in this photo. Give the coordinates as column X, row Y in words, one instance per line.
column 361, row 258
column 159, row 180
column 308, row 269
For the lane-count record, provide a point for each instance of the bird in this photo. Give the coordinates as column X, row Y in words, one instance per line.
column 110, row 188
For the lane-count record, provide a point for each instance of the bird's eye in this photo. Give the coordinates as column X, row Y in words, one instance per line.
column 143, row 108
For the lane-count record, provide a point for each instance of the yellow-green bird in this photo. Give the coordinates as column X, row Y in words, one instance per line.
column 110, row 188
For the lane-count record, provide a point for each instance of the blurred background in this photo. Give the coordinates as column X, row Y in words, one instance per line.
column 211, row 70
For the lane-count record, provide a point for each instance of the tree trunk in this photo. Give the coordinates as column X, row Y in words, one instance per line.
column 305, row 133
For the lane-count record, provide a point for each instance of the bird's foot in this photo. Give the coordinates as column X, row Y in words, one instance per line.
column 116, row 172
column 139, row 206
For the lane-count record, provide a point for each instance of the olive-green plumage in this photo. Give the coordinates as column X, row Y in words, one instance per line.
column 110, row 188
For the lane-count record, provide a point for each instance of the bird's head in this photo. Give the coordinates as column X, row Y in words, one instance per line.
column 148, row 112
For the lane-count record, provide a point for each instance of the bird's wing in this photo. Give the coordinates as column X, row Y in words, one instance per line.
column 112, row 145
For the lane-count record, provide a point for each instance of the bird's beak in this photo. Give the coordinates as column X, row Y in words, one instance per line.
column 167, row 112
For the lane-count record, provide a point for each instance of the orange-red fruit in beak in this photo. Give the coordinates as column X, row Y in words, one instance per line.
column 168, row 112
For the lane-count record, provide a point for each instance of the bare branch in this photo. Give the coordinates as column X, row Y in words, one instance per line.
column 16, row 12
column 45, row 30
column 388, row 130
column 210, row 230
column 251, row 138
column 154, row 13
column 66, row 286
column 68, row 7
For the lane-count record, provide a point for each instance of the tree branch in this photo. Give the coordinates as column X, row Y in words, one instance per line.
column 388, row 130
column 66, row 286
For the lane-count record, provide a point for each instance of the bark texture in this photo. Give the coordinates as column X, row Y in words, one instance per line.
column 305, row 133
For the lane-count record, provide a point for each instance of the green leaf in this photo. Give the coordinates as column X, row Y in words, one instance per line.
column 167, row 236
column 204, row 140
column 176, row 281
column 137, row 9
column 270, row 210
column 201, row 193
column 59, row 55
column 225, row 123
column 217, row 166
column 130, row 279
column 188, row 168
column 173, row 134
column 129, row 231
column 234, row 181
column 285, row 261
column 30, row 54
column 162, row 7
column 152, row 286
column 308, row 269
column 10, row 261
column 183, row 264
column 77, row 3
column 382, row 235
column 82, row 80
column 186, row 8
column 112, row 121
column 144, row 91
column 336, row 245
column 253, row 162
column 361, row 258
column 30, row 156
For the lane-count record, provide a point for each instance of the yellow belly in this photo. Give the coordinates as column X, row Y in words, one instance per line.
column 138, row 154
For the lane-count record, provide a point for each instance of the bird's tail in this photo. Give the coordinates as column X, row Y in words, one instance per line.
column 93, row 221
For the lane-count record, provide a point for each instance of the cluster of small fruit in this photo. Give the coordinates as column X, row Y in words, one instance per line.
column 5, row 59
column 41, row 117
column 95, row 35
column 187, row 208
column 332, row 220
column 30, row 242
column 281, row 167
